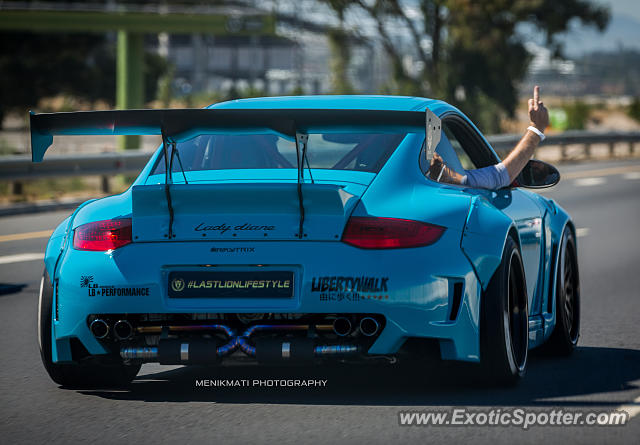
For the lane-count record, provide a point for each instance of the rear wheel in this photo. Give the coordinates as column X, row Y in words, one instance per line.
column 565, row 335
column 79, row 375
column 504, row 322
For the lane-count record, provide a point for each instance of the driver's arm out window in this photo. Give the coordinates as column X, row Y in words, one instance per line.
column 452, row 153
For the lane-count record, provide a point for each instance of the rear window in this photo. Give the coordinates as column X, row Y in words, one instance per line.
column 335, row 151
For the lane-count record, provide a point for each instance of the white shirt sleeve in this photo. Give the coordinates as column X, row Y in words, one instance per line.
column 492, row 177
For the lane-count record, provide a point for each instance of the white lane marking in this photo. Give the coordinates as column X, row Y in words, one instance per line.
column 632, row 175
column 21, row 257
column 582, row 231
column 632, row 408
column 587, row 182
column 599, row 172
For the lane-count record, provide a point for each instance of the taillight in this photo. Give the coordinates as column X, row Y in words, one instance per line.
column 103, row 235
column 389, row 233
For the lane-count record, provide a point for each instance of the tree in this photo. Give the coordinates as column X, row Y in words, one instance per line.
column 340, row 49
column 477, row 55
column 577, row 115
column 33, row 66
column 634, row 109
column 38, row 65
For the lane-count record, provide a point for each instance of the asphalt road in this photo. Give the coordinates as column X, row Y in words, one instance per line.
column 359, row 404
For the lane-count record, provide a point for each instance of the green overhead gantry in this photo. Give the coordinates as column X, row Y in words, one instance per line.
column 131, row 27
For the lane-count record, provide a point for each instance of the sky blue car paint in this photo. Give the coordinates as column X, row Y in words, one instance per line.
column 419, row 278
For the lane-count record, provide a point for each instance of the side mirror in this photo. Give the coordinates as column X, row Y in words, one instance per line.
column 537, row 174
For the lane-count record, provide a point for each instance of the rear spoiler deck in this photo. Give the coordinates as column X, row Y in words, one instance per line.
column 182, row 124
column 177, row 125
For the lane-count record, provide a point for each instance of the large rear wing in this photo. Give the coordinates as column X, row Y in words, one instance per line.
column 181, row 124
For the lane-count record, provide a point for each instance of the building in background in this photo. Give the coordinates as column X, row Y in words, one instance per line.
column 274, row 65
column 218, row 63
column 296, row 60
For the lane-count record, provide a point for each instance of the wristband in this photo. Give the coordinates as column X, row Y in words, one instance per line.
column 536, row 131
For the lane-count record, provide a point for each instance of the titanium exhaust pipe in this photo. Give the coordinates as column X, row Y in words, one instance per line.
column 342, row 326
column 174, row 351
column 201, row 350
column 299, row 350
column 99, row 328
column 245, row 345
column 337, row 350
column 151, row 353
column 156, row 353
column 122, row 330
column 144, row 353
column 369, row 326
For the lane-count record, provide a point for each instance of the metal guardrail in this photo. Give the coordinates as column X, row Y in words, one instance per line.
column 20, row 168
column 14, row 168
column 505, row 142
column 17, row 169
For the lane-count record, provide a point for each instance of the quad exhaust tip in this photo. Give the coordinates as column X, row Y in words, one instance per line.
column 342, row 326
column 122, row 330
column 369, row 326
column 99, row 328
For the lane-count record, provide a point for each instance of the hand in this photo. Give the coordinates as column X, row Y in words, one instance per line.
column 439, row 172
column 538, row 114
column 437, row 165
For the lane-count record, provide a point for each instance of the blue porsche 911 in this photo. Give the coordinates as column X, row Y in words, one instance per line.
column 304, row 230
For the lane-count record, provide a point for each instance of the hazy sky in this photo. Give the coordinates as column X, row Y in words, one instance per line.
column 624, row 7
column 623, row 30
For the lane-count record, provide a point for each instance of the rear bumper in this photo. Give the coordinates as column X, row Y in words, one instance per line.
column 414, row 290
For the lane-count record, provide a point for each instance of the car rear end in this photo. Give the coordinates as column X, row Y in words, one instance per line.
column 328, row 299
column 240, row 259
column 247, row 248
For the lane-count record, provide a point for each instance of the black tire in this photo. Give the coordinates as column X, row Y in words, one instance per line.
column 564, row 337
column 84, row 375
column 504, row 320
